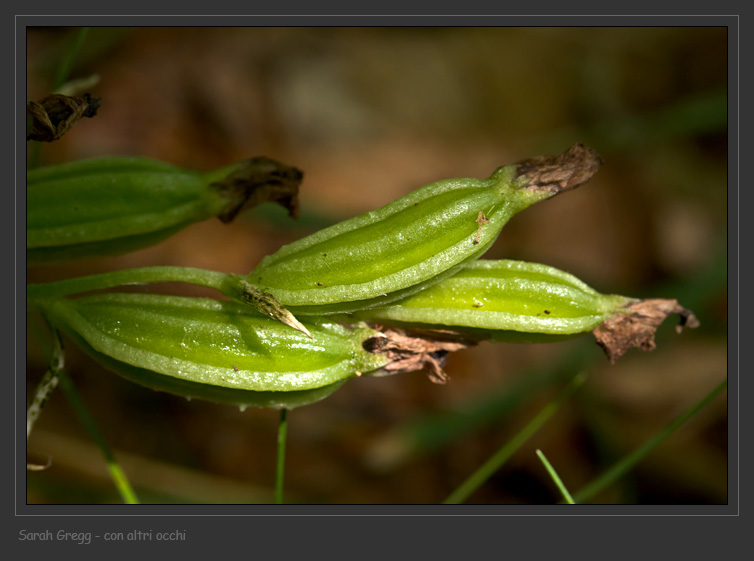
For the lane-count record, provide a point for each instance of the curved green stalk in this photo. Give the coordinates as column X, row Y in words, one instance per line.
column 45, row 292
column 231, row 285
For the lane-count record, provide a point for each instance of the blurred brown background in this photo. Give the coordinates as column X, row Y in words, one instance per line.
column 369, row 114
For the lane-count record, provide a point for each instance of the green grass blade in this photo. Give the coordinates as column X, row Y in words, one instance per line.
column 556, row 478
column 117, row 474
column 432, row 432
column 64, row 70
column 481, row 475
column 282, row 430
column 619, row 469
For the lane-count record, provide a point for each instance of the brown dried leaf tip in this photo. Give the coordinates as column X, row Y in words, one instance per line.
column 257, row 181
column 55, row 115
column 637, row 328
column 417, row 350
column 556, row 174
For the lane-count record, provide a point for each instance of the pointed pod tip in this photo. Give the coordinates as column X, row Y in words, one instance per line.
column 291, row 321
column 265, row 303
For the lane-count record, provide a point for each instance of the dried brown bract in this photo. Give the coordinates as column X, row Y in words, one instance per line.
column 410, row 351
column 556, row 174
column 55, row 115
column 260, row 180
column 637, row 328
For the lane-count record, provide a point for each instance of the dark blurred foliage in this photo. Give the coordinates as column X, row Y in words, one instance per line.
column 369, row 114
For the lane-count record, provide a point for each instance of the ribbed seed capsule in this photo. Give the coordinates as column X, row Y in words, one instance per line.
column 414, row 241
column 213, row 350
column 526, row 302
column 109, row 206
column 504, row 296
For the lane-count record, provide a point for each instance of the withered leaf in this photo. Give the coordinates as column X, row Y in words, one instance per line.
column 557, row 174
column 257, row 181
column 55, row 115
column 637, row 328
column 415, row 350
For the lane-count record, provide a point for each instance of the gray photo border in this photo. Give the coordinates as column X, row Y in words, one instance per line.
column 231, row 523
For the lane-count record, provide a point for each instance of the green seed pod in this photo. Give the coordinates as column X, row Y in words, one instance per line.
column 213, row 350
column 514, row 301
column 109, row 206
column 506, row 298
column 413, row 242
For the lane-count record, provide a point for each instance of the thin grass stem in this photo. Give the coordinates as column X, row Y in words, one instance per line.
column 116, row 472
column 556, row 478
column 624, row 465
column 280, row 469
column 494, row 463
column 64, row 70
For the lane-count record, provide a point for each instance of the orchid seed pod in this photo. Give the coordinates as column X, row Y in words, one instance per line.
column 515, row 301
column 226, row 352
column 413, row 242
column 211, row 349
column 109, row 206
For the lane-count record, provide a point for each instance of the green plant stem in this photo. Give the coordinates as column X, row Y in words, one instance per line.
column 117, row 474
column 282, row 429
column 501, row 456
column 619, row 469
column 37, row 293
column 555, row 478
